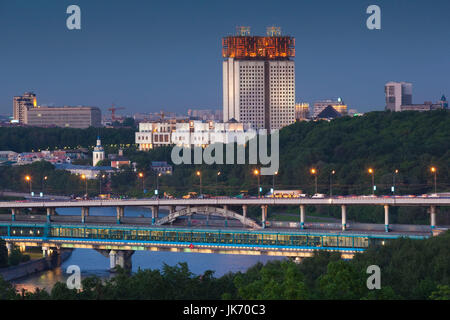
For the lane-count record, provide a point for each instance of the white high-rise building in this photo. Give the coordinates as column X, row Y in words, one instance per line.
column 259, row 79
column 397, row 95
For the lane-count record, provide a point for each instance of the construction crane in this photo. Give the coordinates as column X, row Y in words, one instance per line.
column 162, row 114
column 113, row 111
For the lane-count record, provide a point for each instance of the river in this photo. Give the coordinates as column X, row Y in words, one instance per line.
column 93, row 263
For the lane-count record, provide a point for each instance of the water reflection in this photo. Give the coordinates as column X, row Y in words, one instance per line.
column 92, row 262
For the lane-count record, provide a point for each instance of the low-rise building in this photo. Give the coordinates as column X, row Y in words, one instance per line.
column 337, row 105
column 89, row 172
column 162, row 167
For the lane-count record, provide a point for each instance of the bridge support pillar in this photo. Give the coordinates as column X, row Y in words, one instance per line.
column 13, row 214
column 433, row 216
column 226, row 219
column 84, row 214
column 45, row 252
column 244, row 210
column 344, row 217
column 189, row 216
column 386, row 218
column 154, row 214
column 50, row 212
column 302, row 216
column 120, row 258
column 9, row 247
column 120, row 211
column 263, row 216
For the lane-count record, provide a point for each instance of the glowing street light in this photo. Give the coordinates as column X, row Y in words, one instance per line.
column 273, row 181
column 157, row 184
column 434, row 171
column 314, row 173
column 199, row 174
column 393, row 181
column 332, row 173
column 371, row 172
column 256, row 173
column 83, row 177
column 141, row 175
column 217, row 185
column 43, row 183
column 28, row 179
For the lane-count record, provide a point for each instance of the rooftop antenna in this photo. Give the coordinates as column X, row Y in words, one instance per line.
column 273, row 31
column 242, row 31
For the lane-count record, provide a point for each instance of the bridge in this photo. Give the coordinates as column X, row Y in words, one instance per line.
column 120, row 237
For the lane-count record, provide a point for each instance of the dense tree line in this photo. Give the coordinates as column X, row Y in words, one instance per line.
column 26, row 139
column 410, row 142
column 410, row 269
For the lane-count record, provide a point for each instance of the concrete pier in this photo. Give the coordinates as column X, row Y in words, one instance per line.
column 433, row 216
column 344, row 217
column 302, row 216
column 386, row 218
column 84, row 214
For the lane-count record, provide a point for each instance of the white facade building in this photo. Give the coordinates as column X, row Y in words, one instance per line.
column 192, row 133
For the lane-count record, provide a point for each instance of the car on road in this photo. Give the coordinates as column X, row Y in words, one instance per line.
column 318, row 196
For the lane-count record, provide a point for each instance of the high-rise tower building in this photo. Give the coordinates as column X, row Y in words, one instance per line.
column 259, row 78
column 21, row 104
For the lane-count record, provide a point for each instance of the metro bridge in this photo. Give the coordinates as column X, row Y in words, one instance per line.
column 120, row 238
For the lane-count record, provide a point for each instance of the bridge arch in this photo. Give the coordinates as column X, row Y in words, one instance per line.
column 208, row 210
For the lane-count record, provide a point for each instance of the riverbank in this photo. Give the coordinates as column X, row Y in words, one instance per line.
column 28, row 268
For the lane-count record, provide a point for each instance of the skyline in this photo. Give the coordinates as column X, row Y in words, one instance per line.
column 74, row 68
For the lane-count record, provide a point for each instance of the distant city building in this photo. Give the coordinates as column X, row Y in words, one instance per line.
column 98, row 154
column 8, row 156
column 27, row 111
column 329, row 113
column 205, row 114
column 337, row 105
column 162, row 167
column 21, row 104
column 397, row 94
column 68, row 117
column 259, row 79
column 301, row 111
column 399, row 98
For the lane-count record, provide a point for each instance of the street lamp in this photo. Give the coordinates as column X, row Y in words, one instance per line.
column 434, row 171
column 256, row 173
column 83, row 177
column 28, row 179
column 370, row 171
column 314, row 173
column 157, row 184
column 43, row 180
column 393, row 181
column 273, row 182
column 199, row 174
column 100, row 177
column 141, row 175
column 217, row 184
column 332, row 173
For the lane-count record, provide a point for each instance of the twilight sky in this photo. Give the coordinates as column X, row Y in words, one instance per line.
column 166, row 54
